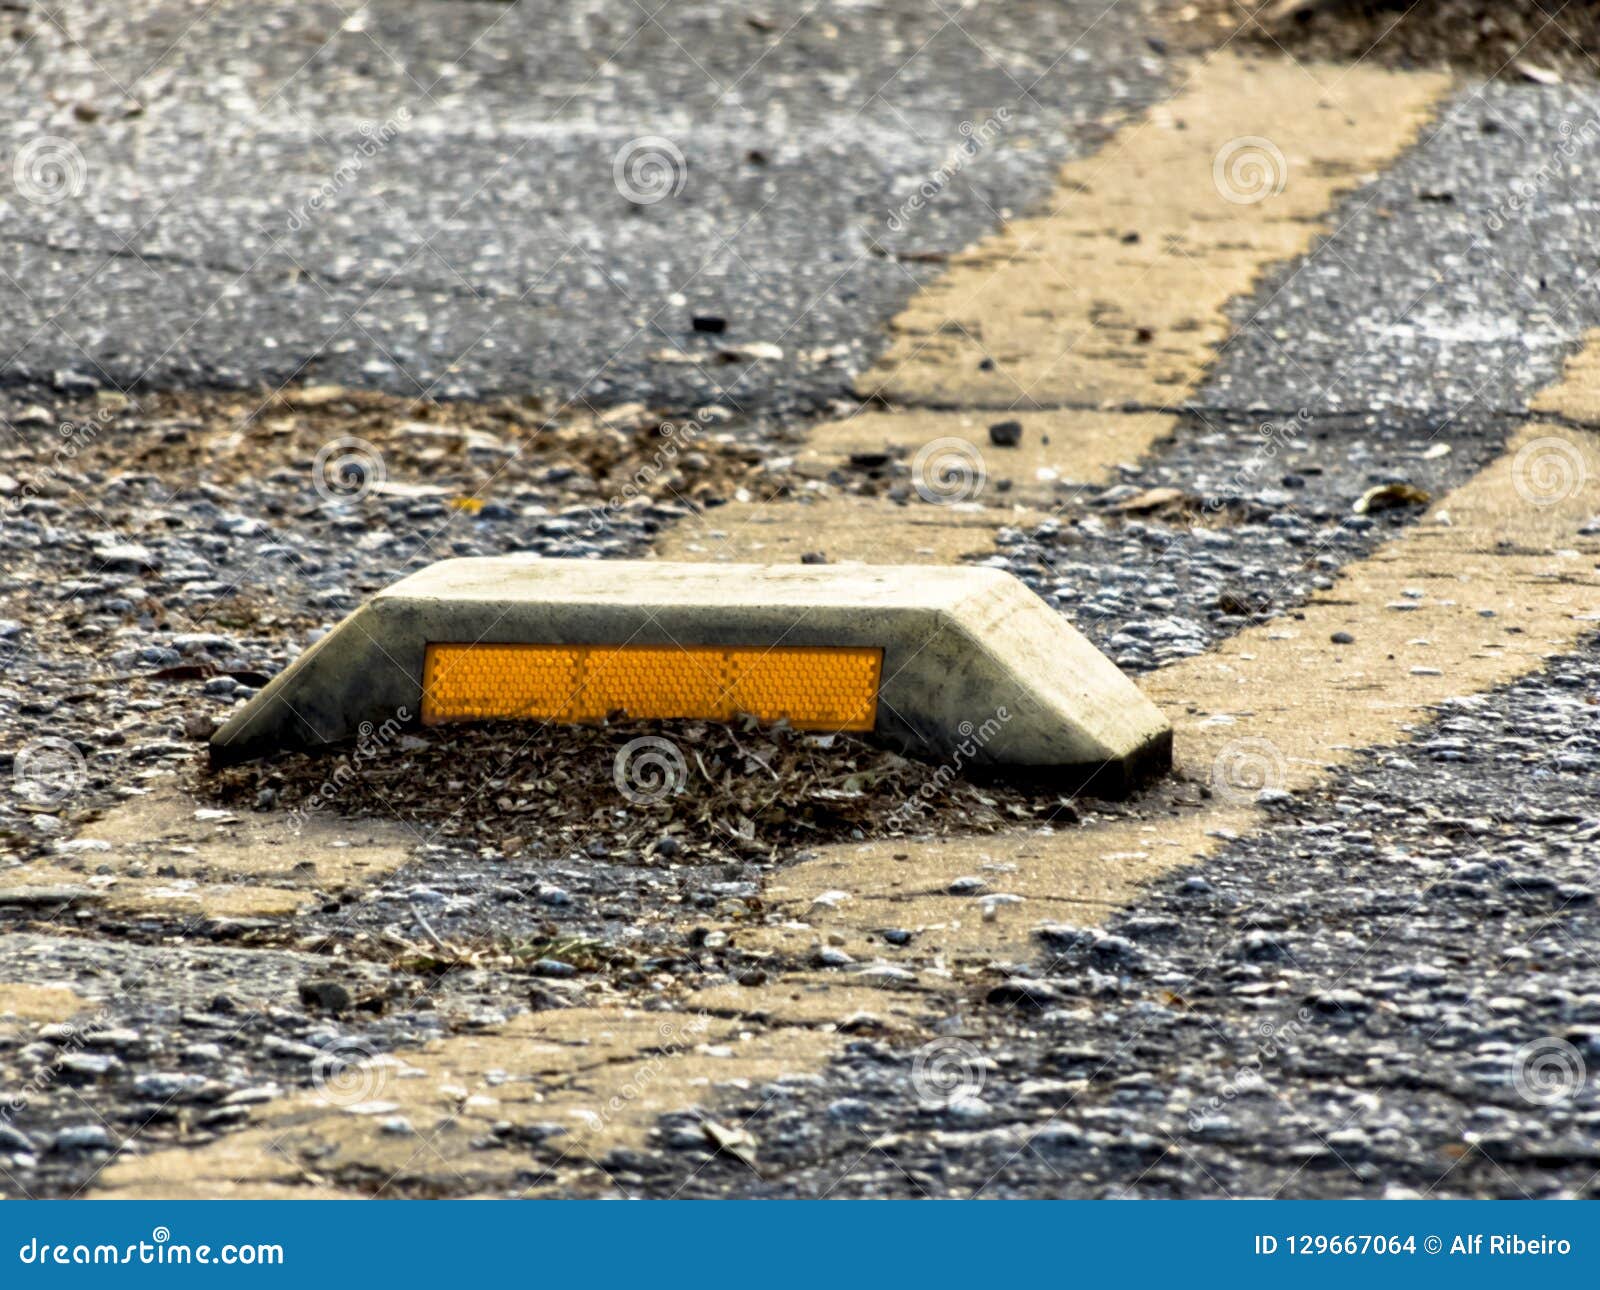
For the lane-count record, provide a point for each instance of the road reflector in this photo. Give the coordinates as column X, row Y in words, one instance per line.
column 964, row 665
column 812, row 689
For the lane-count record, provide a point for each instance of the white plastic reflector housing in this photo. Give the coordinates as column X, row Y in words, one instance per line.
column 958, row 663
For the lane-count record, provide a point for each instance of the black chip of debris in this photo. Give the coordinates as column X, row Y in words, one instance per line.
column 1005, row 434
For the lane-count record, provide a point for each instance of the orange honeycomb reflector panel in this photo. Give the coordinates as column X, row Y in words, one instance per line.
column 811, row 688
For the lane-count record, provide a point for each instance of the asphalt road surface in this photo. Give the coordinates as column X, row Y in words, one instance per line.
column 471, row 199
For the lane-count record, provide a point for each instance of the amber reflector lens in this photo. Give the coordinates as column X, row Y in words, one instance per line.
column 811, row 688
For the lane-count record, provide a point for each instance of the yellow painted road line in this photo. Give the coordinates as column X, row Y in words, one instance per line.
column 1489, row 583
column 1088, row 322
column 602, row 1077
column 1483, row 589
column 960, row 492
column 1115, row 294
column 219, row 863
column 1493, row 580
column 30, row 1003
